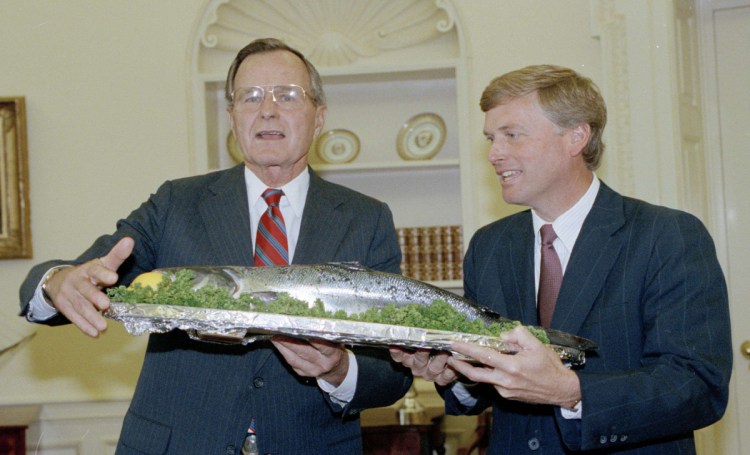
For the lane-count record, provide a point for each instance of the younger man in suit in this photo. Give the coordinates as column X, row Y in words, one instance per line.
column 641, row 281
column 199, row 398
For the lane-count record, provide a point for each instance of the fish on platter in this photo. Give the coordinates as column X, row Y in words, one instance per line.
column 349, row 287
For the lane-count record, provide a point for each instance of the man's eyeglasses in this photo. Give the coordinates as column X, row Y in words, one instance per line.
column 287, row 97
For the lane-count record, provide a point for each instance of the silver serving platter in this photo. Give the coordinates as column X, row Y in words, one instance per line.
column 244, row 327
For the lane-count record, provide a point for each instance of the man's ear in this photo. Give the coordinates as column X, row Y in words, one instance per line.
column 579, row 137
column 231, row 118
column 320, row 120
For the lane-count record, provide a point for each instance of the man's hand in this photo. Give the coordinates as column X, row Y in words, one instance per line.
column 534, row 374
column 76, row 292
column 426, row 364
column 314, row 358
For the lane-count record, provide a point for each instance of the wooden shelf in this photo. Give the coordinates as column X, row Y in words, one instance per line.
column 393, row 165
column 450, row 285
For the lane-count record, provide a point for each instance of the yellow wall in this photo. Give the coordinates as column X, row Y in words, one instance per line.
column 106, row 87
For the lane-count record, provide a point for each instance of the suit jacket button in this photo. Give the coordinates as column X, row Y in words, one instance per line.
column 230, row 450
column 259, row 383
column 602, row 439
column 533, row 443
column 613, row 438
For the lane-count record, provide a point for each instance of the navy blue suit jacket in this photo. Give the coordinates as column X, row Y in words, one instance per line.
column 644, row 283
column 194, row 397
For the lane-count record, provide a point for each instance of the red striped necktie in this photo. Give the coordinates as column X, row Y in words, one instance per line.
column 550, row 277
column 270, row 242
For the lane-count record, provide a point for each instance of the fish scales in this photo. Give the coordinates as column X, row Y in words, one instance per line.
column 349, row 287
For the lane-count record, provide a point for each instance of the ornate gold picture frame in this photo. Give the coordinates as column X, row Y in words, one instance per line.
column 15, row 216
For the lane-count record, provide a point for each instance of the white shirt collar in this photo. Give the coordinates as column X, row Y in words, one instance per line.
column 568, row 225
column 292, row 205
column 295, row 192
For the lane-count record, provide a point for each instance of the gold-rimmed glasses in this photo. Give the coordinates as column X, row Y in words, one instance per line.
column 250, row 99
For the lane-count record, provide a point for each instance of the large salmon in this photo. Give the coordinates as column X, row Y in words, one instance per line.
column 349, row 287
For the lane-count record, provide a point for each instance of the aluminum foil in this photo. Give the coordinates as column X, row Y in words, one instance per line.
column 244, row 327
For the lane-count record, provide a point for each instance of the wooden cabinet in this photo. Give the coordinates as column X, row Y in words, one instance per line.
column 13, row 440
column 403, row 440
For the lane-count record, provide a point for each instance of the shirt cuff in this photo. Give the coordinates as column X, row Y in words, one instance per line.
column 40, row 309
column 344, row 393
column 573, row 413
column 463, row 394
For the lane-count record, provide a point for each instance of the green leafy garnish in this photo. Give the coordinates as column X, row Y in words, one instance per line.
column 438, row 316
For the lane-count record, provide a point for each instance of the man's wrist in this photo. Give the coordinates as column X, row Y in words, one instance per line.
column 45, row 282
column 344, row 393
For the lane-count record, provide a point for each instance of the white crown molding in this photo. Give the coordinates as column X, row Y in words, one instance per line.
column 328, row 32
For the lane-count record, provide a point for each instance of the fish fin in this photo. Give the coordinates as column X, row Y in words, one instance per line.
column 234, row 279
column 565, row 339
column 492, row 316
column 266, row 296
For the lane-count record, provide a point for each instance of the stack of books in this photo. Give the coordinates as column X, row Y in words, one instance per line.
column 431, row 253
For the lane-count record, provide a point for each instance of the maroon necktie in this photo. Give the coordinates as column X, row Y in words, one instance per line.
column 550, row 277
column 270, row 242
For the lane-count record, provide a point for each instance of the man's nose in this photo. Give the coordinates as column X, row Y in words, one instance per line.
column 495, row 152
column 268, row 107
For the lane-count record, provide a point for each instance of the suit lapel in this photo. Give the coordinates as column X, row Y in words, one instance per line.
column 322, row 226
column 593, row 256
column 224, row 211
column 517, row 270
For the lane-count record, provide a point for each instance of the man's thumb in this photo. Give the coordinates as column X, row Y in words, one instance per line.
column 118, row 253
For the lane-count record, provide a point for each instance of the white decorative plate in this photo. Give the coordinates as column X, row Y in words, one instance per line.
column 233, row 147
column 337, row 146
column 421, row 137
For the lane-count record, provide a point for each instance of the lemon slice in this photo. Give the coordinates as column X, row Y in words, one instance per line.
column 148, row 279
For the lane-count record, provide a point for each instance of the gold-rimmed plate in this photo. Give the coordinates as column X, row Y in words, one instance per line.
column 421, row 137
column 337, row 146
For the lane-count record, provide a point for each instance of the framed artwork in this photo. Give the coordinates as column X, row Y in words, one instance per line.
column 15, row 216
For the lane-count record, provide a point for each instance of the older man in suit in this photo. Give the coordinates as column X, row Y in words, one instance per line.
column 641, row 281
column 289, row 396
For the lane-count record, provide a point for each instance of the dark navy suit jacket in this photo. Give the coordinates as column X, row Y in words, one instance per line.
column 194, row 397
column 644, row 283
